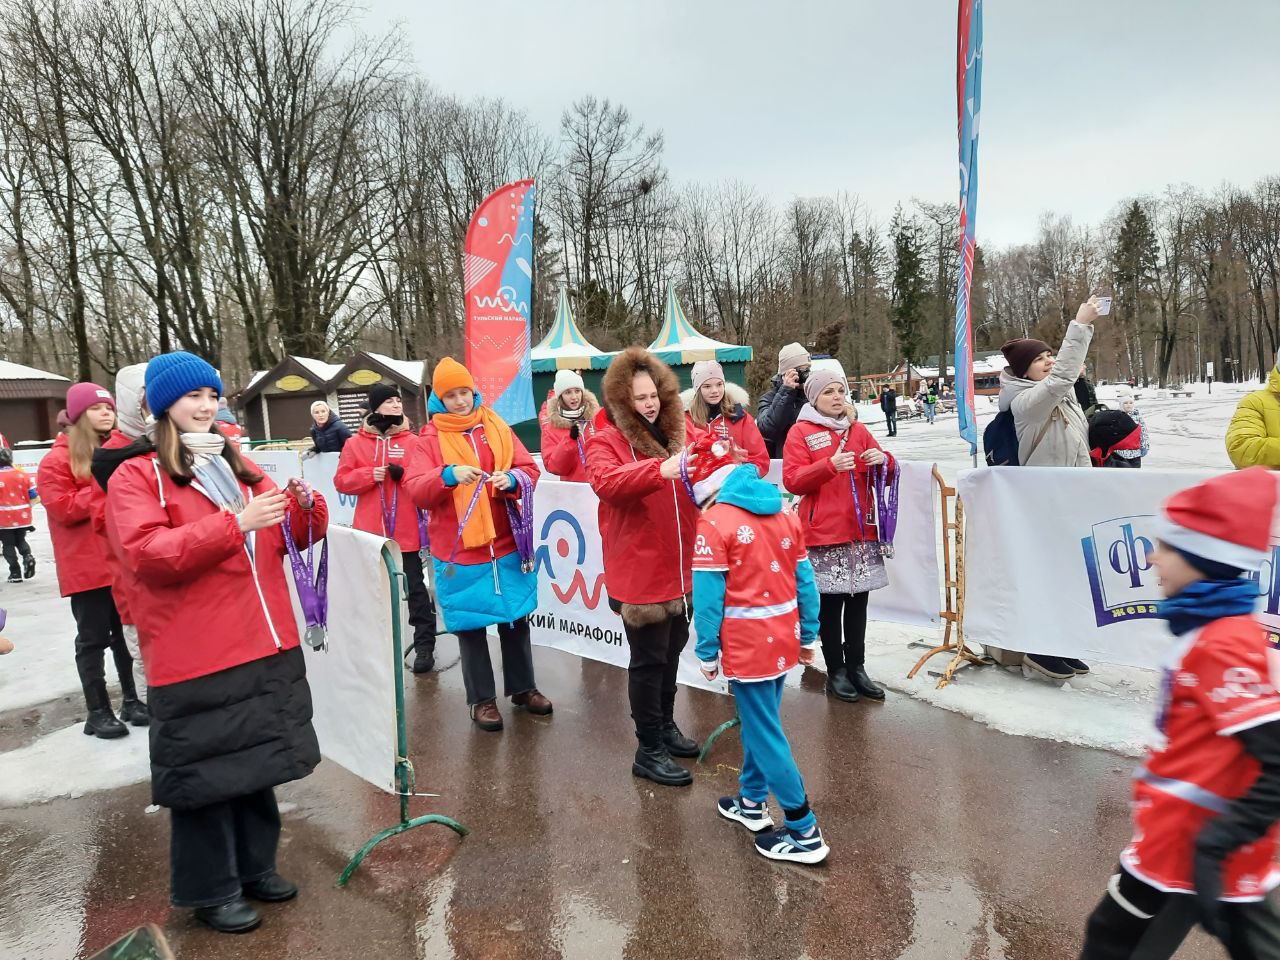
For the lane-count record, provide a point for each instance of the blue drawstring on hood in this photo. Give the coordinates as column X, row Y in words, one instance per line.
column 744, row 488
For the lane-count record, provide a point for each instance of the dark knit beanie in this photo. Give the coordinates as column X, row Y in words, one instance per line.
column 1213, row 569
column 380, row 393
column 1020, row 353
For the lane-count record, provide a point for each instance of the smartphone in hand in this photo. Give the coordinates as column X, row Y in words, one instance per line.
column 1104, row 306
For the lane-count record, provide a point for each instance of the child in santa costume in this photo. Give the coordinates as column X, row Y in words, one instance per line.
column 1207, row 799
column 755, row 609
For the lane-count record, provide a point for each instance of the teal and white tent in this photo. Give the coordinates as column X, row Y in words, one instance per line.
column 564, row 347
column 679, row 343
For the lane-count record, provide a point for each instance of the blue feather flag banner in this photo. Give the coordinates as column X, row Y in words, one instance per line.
column 968, row 108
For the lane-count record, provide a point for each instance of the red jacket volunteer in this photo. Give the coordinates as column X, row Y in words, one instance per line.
column 827, row 510
column 377, row 501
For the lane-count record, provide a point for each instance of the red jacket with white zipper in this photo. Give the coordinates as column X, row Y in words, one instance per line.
column 78, row 550
column 426, row 488
column 202, row 600
column 369, row 449
column 827, row 510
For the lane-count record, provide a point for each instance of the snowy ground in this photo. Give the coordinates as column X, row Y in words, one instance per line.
column 1110, row 709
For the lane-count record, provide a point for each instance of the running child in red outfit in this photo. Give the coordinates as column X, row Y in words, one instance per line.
column 1206, row 803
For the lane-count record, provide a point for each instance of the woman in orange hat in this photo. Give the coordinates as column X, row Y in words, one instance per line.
column 475, row 479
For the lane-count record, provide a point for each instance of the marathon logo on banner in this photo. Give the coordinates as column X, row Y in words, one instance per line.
column 580, row 609
column 1121, row 578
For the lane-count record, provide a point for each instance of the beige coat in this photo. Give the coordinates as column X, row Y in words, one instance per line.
column 1048, row 408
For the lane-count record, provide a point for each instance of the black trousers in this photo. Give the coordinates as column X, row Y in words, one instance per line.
column 422, row 612
column 651, row 672
column 98, row 629
column 843, row 615
column 477, row 667
column 14, row 543
column 1114, row 931
column 891, row 421
column 215, row 850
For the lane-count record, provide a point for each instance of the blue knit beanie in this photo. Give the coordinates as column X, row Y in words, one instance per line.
column 173, row 375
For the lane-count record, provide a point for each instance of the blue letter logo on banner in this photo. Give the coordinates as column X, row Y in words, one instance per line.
column 1123, row 585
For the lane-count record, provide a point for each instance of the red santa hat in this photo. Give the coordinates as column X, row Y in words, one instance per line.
column 707, row 463
column 1226, row 520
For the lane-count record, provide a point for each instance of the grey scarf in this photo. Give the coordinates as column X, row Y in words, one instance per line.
column 212, row 471
column 810, row 414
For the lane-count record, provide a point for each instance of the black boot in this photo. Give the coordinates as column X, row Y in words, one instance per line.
column 653, row 762
column 838, row 686
column 238, row 916
column 424, row 656
column 677, row 744
column 102, row 723
column 29, row 566
column 134, row 712
column 865, row 686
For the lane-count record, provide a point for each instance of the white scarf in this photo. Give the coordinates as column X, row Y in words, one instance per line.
column 573, row 414
column 810, row 414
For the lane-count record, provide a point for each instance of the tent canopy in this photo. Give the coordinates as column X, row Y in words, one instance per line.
column 564, row 347
column 678, row 342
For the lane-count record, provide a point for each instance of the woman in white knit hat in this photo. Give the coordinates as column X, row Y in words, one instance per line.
column 715, row 404
column 567, row 423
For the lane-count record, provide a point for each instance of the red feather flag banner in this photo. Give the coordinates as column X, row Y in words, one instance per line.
column 497, row 280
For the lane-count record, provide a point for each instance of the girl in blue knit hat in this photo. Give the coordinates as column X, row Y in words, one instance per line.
column 201, row 534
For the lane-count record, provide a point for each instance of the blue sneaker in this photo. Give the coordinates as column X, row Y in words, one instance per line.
column 793, row 846
column 754, row 819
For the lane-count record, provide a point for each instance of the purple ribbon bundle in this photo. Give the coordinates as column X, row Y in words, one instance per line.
column 520, row 515
column 312, row 584
column 449, row 569
column 885, row 477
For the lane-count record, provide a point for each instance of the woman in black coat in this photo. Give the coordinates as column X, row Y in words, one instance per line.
column 328, row 432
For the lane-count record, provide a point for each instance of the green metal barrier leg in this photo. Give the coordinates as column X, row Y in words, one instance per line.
column 715, row 735
column 404, row 769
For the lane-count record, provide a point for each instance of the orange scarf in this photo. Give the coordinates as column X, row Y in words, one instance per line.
column 456, row 449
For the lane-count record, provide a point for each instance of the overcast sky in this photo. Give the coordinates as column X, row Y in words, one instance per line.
column 1085, row 102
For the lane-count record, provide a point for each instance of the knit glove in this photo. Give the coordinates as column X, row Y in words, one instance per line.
column 396, row 471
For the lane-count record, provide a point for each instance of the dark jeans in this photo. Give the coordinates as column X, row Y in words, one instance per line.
column 13, row 543
column 422, row 612
column 843, row 613
column 517, row 662
column 97, row 630
column 891, row 421
column 651, row 673
column 1114, row 933
column 215, row 850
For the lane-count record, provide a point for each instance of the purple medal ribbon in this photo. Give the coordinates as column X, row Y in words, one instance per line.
column 389, row 516
column 887, row 500
column 449, row 569
column 853, row 485
column 313, row 589
column 684, row 475
column 520, row 515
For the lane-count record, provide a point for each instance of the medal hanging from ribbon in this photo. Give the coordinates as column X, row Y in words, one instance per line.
column 424, row 537
column 450, row 571
column 886, row 477
column 520, row 515
column 389, row 516
column 312, row 584
column 853, row 485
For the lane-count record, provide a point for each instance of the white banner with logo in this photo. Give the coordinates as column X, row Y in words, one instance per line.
column 318, row 469
column 1056, row 561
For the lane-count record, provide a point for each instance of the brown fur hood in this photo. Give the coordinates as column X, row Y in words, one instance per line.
column 616, row 388
column 590, row 407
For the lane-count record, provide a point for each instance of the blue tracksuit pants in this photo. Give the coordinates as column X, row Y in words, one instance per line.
column 767, row 764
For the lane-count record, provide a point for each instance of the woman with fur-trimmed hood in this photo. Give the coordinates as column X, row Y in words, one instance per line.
column 568, row 422
column 714, row 403
column 647, row 524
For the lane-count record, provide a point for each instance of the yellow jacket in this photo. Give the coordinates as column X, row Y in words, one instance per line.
column 1253, row 437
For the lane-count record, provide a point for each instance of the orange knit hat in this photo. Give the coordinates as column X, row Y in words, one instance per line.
column 450, row 375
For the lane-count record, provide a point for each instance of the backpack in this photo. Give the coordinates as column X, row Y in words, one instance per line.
column 1000, row 441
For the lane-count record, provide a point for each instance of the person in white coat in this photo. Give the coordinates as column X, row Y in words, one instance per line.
column 1052, row 432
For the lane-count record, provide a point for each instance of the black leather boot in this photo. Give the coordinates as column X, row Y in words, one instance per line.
column 238, row 916
column 677, row 744
column 271, row 889
column 838, row 686
column 424, row 657
column 866, row 687
column 653, row 762
column 102, row 723
column 134, row 712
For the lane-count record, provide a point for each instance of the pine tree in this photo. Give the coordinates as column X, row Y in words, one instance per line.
column 910, row 286
column 1134, row 266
